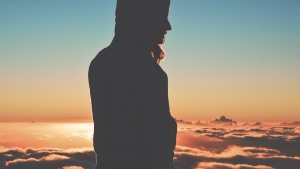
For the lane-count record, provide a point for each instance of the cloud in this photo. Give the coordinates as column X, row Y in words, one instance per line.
column 257, row 124
column 250, row 146
column 72, row 167
column 262, row 146
column 200, row 123
column 214, row 165
column 46, row 158
column 282, row 138
column 51, row 157
column 295, row 123
column 182, row 121
column 224, row 121
column 234, row 157
column 232, row 151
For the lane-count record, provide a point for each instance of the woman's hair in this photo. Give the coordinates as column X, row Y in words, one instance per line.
column 135, row 20
column 158, row 53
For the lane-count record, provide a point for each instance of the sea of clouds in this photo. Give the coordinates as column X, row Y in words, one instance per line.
column 218, row 144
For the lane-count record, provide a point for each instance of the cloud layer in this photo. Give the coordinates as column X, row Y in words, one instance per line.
column 46, row 158
column 200, row 145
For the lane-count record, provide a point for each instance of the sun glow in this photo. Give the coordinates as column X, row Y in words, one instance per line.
column 35, row 135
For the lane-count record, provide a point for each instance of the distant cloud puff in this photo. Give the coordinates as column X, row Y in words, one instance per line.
column 182, row 121
column 257, row 124
column 224, row 120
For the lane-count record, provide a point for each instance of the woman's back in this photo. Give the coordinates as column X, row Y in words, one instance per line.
column 130, row 109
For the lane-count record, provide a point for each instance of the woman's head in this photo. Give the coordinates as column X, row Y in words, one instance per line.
column 144, row 22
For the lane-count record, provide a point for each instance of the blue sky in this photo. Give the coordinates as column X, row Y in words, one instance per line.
column 240, row 58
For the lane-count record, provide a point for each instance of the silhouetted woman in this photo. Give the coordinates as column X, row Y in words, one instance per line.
column 133, row 127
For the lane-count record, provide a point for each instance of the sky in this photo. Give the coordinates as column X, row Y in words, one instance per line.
column 237, row 58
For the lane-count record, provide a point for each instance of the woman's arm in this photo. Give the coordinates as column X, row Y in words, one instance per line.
column 153, row 125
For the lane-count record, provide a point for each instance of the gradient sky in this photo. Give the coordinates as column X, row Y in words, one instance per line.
column 237, row 58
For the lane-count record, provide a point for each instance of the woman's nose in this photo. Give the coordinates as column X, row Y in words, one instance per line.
column 168, row 26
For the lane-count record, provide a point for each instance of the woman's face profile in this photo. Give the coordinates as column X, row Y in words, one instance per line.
column 160, row 38
column 160, row 26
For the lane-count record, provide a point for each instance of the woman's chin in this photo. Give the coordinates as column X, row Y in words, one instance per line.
column 160, row 41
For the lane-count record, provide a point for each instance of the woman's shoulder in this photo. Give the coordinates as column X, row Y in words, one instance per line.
column 101, row 56
column 121, row 58
column 107, row 58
